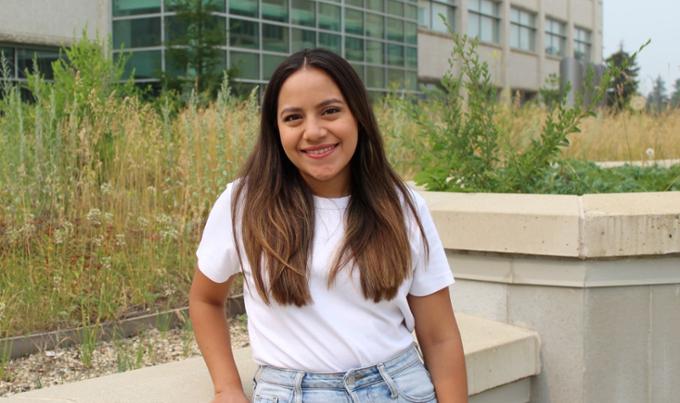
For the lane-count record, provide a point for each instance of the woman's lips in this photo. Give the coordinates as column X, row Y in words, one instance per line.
column 320, row 151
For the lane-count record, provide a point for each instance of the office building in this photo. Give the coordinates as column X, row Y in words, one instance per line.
column 388, row 41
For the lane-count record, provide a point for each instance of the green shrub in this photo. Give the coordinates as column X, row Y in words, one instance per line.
column 462, row 150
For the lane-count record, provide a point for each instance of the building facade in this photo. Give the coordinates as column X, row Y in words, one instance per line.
column 389, row 42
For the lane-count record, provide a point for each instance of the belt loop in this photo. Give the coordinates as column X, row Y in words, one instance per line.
column 256, row 377
column 298, row 387
column 388, row 380
column 419, row 351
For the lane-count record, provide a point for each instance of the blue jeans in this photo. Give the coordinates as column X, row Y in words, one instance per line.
column 401, row 379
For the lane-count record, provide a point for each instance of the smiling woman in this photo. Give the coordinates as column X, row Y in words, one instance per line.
column 341, row 261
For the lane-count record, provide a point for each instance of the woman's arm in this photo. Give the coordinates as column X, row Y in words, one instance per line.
column 439, row 339
column 206, row 309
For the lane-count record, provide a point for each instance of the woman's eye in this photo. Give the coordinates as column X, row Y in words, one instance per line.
column 331, row 110
column 290, row 118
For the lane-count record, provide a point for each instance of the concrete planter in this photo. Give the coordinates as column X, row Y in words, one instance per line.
column 597, row 276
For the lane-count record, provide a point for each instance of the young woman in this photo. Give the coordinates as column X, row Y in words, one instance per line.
column 341, row 261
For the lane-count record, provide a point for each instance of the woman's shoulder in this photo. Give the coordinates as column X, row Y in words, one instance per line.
column 413, row 192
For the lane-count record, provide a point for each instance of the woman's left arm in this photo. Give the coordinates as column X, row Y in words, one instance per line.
column 440, row 342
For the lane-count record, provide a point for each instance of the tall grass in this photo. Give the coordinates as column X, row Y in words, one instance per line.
column 103, row 196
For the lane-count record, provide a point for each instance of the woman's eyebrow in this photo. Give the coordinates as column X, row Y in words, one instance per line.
column 320, row 105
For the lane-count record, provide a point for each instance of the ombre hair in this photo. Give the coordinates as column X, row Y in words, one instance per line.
column 277, row 214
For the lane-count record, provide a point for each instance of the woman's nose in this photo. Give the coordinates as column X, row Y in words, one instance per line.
column 314, row 129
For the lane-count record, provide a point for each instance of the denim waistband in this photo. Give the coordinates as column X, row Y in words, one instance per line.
column 349, row 380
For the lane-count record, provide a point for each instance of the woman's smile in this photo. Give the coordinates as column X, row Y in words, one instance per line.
column 321, row 151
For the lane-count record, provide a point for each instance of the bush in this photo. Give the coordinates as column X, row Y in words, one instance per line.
column 462, row 148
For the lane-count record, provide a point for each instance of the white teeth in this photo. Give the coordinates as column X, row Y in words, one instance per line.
column 320, row 150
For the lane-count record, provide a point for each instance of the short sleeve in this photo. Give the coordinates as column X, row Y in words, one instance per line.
column 431, row 272
column 217, row 257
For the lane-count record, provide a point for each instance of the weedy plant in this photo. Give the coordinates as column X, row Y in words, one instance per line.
column 463, row 149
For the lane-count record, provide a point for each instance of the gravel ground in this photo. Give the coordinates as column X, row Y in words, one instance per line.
column 54, row 367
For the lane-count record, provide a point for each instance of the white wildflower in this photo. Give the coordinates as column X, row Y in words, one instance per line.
column 105, row 188
column 650, row 153
column 638, row 103
column 106, row 262
column 94, row 216
column 108, row 217
column 142, row 222
column 120, row 240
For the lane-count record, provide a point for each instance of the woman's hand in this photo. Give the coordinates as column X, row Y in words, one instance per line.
column 230, row 397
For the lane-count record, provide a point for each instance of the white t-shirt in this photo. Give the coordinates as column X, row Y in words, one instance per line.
column 340, row 329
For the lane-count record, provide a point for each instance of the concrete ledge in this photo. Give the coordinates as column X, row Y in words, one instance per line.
column 561, row 272
column 582, row 227
column 496, row 354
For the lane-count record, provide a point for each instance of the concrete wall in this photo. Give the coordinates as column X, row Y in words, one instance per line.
column 511, row 68
column 597, row 276
column 53, row 23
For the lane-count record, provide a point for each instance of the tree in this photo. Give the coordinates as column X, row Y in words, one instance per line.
column 625, row 84
column 195, row 60
column 657, row 100
column 675, row 98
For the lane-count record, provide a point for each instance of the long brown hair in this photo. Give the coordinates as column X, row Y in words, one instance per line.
column 277, row 207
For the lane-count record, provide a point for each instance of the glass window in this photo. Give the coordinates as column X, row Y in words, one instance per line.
column 359, row 68
column 6, row 62
column 276, row 10
column 375, row 77
column 375, row 5
column 356, row 3
column 449, row 15
column 395, row 55
column 354, row 22
column 269, row 64
column 484, row 20
column 582, row 44
column 243, row 34
column 555, row 37
column 375, row 25
column 176, row 30
column 522, row 29
column 215, row 5
column 411, row 33
column 411, row 57
column 375, row 52
column 43, row 58
column 275, row 38
column 411, row 11
column 133, row 7
column 146, row 64
column 331, row 42
column 354, row 49
column 395, row 29
column 303, row 39
column 395, row 7
column 395, row 77
column 329, row 17
column 243, row 7
column 424, row 13
column 137, row 33
column 247, row 65
column 174, row 58
column 411, row 80
column 303, row 12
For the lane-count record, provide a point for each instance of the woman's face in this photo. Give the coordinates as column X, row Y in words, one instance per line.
column 318, row 131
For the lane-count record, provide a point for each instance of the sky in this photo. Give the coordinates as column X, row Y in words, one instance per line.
column 633, row 22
